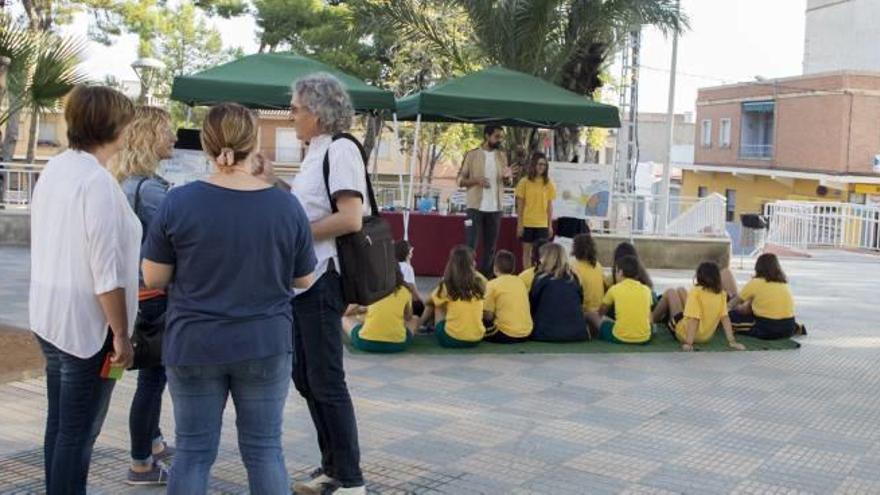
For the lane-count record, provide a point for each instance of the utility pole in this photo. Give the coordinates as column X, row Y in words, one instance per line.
column 670, row 133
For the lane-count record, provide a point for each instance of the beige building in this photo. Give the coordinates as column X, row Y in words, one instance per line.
column 805, row 137
column 51, row 136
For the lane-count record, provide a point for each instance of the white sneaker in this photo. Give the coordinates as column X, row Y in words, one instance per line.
column 316, row 485
column 354, row 490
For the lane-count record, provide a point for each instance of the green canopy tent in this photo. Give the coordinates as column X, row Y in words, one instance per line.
column 503, row 97
column 263, row 81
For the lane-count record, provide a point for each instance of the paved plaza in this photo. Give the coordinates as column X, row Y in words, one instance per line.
column 783, row 422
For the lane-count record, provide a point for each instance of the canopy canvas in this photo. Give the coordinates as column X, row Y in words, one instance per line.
column 506, row 97
column 263, row 81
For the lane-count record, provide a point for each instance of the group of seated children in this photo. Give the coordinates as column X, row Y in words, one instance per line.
column 563, row 300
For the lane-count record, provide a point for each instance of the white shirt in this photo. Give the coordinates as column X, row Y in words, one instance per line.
column 347, row 173
column 490, row 194
column 409, row 275
column 85, row 241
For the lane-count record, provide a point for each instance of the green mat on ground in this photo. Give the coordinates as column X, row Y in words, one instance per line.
column 662, row 341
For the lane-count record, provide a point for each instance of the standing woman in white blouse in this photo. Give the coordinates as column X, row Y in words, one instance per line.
column 85, row 244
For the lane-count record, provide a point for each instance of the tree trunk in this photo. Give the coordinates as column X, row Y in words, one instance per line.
column 373, row 124
column 32, row 136
column 10, row 140
column 581, row 74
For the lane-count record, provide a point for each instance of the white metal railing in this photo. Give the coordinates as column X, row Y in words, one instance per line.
column 705, row 218
column 628, row 213
column 755, row 150
column 804, row 225
column 17, row 181
column 688, row 216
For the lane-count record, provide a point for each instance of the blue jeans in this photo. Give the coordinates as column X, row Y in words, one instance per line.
column 319, row 377
column 259, row 390
column 78, row 400
column 146, row 406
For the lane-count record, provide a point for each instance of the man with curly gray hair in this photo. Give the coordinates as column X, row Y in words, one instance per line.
column 321, row 109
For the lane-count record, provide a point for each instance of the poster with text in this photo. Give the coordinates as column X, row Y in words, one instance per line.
column 185, row 166
column 583, row 190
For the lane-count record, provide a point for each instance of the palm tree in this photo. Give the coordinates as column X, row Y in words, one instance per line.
column 568, row 42
column 41, row 72
column 53, row 75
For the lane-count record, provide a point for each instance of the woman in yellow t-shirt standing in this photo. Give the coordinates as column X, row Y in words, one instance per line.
column 534, row 206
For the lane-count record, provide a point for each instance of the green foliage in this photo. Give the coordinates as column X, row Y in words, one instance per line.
column 179, row 35
column 42, row 70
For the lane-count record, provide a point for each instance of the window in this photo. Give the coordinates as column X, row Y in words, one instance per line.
column 706, row 133
column 702, row 192
column 47, row 134
column 609, row 155
column 288, row 148
column 756, row 135
column 730, row 195
column 724, row 133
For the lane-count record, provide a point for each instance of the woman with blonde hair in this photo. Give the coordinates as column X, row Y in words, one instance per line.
column 148, row 139
column 556, row 299
column 230, row 246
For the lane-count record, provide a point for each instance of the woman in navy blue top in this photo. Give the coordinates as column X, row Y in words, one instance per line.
column 229, row 248
column 556, row 299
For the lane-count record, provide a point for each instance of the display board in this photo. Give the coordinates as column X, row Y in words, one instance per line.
column 583, row 190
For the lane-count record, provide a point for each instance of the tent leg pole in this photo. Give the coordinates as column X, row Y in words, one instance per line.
column 412, row 172
column 400, row 159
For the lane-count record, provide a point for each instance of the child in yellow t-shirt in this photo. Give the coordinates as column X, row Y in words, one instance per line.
column 534, row 205
column 765, row 308
column 631, row 301
column 457, row 303
column 528, row 275
column 590, row 274
column 694, row 315
column 385, row 325
column 507, row 304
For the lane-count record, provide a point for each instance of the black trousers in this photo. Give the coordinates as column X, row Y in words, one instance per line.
column 484, row 227
column 319, row 377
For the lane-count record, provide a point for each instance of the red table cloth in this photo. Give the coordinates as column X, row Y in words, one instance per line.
column 433, row 236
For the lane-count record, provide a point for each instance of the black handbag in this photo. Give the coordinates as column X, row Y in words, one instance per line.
column 367, row 262
column 147, row 336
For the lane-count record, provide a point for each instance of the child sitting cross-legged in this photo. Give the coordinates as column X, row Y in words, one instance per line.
column 386, row 323
column 694, row 315
column 456, row 305
column 506, row 306
column 765, row 308
column 631, row 301
column 556, row 299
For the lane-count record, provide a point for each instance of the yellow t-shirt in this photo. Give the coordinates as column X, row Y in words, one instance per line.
column 592, row 282
column 528, row 277
column 384, row 320
column 508, row 298
column 706, row 306
column 632, row 305
column 464, row 319
column 536, row 196
column 769, row 299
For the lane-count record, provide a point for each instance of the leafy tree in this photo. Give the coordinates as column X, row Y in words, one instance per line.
column 568, row 42
column 180, row 36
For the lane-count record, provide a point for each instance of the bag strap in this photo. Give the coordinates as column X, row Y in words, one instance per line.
column 137, row 194
column 374, row 209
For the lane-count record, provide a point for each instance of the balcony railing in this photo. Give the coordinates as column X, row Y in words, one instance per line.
column 755, row 150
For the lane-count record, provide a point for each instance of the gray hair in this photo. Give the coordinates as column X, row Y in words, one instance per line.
column 324, row 96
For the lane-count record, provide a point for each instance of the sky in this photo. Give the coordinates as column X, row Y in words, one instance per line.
column 729, row 41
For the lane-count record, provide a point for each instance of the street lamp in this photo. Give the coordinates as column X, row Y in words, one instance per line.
column 147, row 70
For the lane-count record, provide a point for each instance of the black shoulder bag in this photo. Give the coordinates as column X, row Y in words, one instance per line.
column 368, row 266
column 147, row 336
